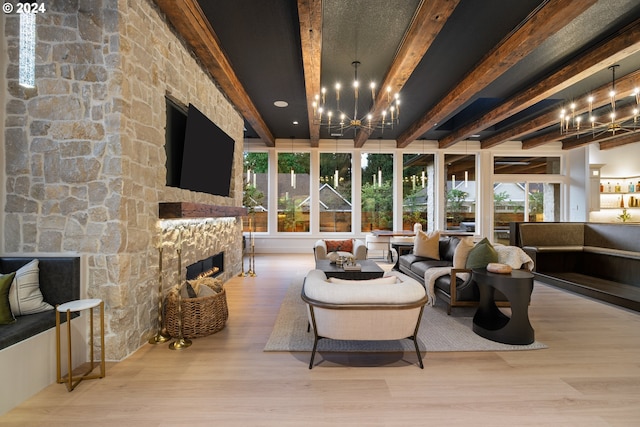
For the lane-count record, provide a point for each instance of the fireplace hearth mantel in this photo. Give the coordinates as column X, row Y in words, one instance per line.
column 178, row 210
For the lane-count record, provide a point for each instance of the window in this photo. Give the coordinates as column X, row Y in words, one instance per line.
column 460, row 191
column 293, row 192
column 256, row 191
column 335, row 192
column 526, row 165
column 417, row 190
column 523, row 201
column 377, row 192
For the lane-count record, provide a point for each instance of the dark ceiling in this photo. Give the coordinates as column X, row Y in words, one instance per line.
column 489, row 70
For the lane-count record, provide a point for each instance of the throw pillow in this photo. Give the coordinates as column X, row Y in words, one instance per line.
column 6, row 316
column 482, row 254
column 389, row 280
column 25, row 296
column 462, row 252
column 427, row 245
column 339, row 245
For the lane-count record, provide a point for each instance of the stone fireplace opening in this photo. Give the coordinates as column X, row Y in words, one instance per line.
column 209, row 267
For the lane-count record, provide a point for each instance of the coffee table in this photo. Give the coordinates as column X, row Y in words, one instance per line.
column 369, row 270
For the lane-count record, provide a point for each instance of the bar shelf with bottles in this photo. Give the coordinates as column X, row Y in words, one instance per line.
column 618, row 193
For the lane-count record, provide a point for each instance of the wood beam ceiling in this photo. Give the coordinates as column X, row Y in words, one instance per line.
column 189, row 21
column 540, row 25
column 625, row 43
column 425, row 27
column 624, row 87
column 310, row 16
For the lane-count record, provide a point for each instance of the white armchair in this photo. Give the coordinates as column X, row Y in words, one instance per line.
column 389, row 308
column 359, row 250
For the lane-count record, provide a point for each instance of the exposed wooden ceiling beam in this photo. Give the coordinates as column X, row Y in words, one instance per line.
column 625, row 43
column 540, row 25
column 629, row 138
column 624, row 87
column 425, row 27
column 189, row 20
column 310, row 16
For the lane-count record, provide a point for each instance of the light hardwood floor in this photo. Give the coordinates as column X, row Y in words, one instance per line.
column 589, row 375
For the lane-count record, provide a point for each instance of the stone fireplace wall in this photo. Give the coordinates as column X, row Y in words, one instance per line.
column 85, row 159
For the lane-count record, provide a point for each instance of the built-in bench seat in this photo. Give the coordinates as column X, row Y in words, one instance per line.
column 59, row 283
column 598, row 260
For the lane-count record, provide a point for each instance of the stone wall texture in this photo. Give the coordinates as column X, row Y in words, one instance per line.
column 85, row 158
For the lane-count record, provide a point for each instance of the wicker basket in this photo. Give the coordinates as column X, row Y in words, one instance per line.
column 200, row 316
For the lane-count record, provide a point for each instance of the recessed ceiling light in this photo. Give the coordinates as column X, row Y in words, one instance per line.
column 295, row 122
column 281, row 104
column 475, row 135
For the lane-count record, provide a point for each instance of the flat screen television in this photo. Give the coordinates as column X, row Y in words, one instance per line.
column 207, row 157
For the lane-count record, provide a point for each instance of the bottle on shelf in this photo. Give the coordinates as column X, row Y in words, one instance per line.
column 601, row 188
column 638, row 187
column 609, row 188
column 632, row 187
column 618, row 188
column 622, row 201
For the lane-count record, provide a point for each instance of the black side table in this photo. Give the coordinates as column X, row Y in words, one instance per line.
column 489, row 322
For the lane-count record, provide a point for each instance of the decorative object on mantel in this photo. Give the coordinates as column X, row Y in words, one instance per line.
column 181, row 342
column 162, row 335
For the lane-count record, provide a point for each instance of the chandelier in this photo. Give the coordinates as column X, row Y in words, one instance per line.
column 337, row 121
column 621, row 120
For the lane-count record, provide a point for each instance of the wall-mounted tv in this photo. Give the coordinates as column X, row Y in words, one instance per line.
column 203, row 157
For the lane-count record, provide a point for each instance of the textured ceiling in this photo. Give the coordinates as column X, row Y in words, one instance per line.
column 262, row 41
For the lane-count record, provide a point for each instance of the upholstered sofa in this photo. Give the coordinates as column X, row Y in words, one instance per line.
column 358, row 251
column 600, row 260
column 389, row 308
column 464, row 293
column 451, row 281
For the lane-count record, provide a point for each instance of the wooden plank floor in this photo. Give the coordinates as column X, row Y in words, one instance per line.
column 589, row 375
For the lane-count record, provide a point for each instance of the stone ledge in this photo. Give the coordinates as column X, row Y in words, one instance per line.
column 176, row 210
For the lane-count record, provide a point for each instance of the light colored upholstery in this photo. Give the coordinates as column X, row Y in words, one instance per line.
column 359, row 250
column 377, row 243
column 364, row 311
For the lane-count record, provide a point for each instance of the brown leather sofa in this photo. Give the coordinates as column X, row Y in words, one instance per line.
column 465, row 293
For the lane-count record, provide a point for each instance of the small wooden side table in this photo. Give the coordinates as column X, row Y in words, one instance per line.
column 73, row 306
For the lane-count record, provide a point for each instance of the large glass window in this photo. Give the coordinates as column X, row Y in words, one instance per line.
column 544, row 202
column 526, row 165
column 508, row 206
column 293, row 192
column 377, row 192
column 417, row 190
column 335, row 192
column 256, row 191
column 460, row 191
column 523, row 201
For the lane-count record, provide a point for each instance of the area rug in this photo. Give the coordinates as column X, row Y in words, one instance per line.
column 438, row 332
